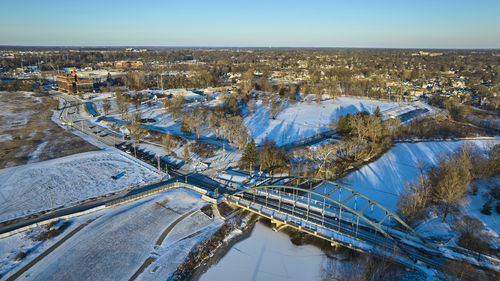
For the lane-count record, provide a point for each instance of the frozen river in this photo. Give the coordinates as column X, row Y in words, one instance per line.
column 268, row 255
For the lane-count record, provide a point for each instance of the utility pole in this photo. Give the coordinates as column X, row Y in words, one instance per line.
column 135, row 150
column 50, row 196
column 159, row 167
column 161, row 81
column 126, row 175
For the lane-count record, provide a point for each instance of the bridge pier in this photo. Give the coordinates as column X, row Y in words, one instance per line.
column 278, row 225
column 215, row 210
column 335, row 245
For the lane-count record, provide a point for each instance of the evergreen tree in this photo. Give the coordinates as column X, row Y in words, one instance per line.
column 344, row 124
column 250, row 153
column 377, row 112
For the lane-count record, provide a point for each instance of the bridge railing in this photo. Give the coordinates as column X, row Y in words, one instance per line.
column 362, row 233
column 331, row 209
column 177, row 183
column 341, row 219
column 392, row 224
column 386, row 218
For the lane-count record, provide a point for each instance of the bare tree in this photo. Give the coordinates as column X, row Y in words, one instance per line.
column 325, row 154
column 106, row 106
column 198, row 124
column 137, row 132
column 175, row 106
column 169, row 142
column 135, row 80
column 186, row 156
column 189, row 123
column 122, row 104
column 215, row 121
column 415, row 200
column 450, row 181
column 276, row 107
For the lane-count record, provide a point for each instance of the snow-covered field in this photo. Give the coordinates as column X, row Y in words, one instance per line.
column 11, row 115
column 268, row 255
column 121, row 239
column 24, row 189
column 303, row 119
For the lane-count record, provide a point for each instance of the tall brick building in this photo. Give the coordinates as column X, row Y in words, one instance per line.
column 70, row 83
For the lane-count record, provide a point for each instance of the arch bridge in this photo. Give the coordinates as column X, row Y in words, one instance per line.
column 339, row 214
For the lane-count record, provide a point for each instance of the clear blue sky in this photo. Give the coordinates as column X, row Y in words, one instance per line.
column 314, row 23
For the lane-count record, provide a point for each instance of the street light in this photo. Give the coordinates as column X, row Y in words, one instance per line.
column 50, row 196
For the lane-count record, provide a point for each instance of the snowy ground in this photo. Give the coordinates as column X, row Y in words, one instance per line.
column 120, row 240
column 27, row 133
column 24, row 189
column 11, row 115
column 23, row 242
column 303, row 119
column 474, row 204
column 187, row 234
column 221, row 160
column 384, row 179
column 293, row 123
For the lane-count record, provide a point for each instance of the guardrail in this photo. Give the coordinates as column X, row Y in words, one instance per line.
column 176, row 184
column 444, row 139
column 493, row 262
column 45, row 222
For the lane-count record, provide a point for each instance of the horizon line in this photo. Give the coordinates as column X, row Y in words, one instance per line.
column 246, row 47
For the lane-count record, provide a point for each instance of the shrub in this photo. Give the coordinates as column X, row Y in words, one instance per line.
column 202, row 149
column 46, row 235
column 486, row 208
column 458, row 270
column 50, row 225
column 204, row 250
column 471, row 232
column 495, row 193
column 207, row 210
column 170, row 142
column 20, row 256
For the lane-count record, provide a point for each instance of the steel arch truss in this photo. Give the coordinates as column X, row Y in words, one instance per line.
column 344, row 203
